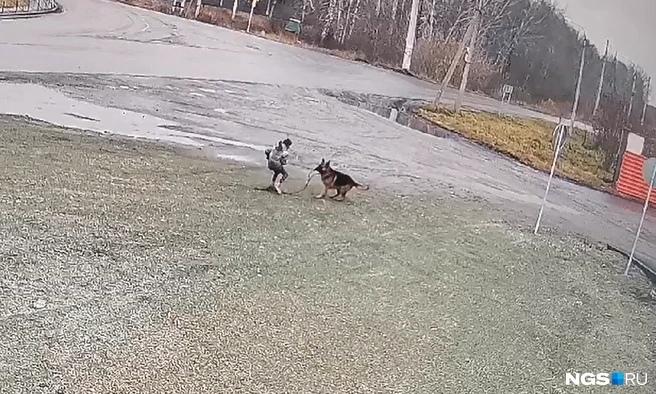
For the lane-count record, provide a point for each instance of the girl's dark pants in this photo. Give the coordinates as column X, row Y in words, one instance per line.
column 278, row 169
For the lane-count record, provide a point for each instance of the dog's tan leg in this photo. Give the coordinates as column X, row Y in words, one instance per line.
column 323, row 194
column 342, row 193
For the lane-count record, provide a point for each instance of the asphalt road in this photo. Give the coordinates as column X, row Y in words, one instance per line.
column 107, row 37
column 105, row 66
column 9, row 7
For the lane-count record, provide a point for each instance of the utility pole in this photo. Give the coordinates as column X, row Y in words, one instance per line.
column 601, row 80
column 577, row 95
column 614, row 80
column 410, row 37
column 624, row 130
column 454, row 64
column 644, row 107
column 630, row 110
column 469, row 57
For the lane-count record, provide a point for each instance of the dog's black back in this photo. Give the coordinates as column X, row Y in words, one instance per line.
column 342, row 179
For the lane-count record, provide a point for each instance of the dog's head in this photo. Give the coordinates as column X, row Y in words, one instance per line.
column 323, row 167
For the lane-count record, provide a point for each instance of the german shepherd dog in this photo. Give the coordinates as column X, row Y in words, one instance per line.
column 335, row 180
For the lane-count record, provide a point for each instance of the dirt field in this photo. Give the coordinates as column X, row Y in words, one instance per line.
column 131, row 268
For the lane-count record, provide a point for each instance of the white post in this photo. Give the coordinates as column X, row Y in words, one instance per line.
column 250, row 16
column 642, row 220
column 410, row 37
column 235, row 3
column 561, row 131
column 578, row 87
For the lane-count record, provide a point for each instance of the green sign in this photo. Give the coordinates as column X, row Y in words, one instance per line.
column 293, row 26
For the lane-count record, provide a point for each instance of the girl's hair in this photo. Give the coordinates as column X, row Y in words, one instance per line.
column 287, row 142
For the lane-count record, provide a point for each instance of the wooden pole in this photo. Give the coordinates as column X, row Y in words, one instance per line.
column 577, row 95
column 454, row 64
column 469, row 57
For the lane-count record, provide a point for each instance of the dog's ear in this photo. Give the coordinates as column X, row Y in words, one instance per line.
column 323, row 161
column 328, row 163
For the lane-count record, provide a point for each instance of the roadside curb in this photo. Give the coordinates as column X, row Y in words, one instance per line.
column 31, row 14
column 645, row 266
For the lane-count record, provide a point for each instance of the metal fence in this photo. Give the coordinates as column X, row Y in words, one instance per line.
column 26, row 6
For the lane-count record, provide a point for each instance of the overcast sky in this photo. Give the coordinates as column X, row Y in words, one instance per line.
column 630, row 25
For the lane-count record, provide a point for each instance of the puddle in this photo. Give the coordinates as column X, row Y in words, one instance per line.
column 238, row 158
column 397, row 110
column 54, row 107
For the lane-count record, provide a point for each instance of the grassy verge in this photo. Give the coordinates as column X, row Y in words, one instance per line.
column 528, row 141
column 128, row 268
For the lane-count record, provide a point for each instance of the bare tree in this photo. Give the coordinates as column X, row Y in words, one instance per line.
column 527, row 43
column 646, row 102
column 469, row 54
column 327, row 19
column 199, row 4
column 522, row 27
column 250, row 15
